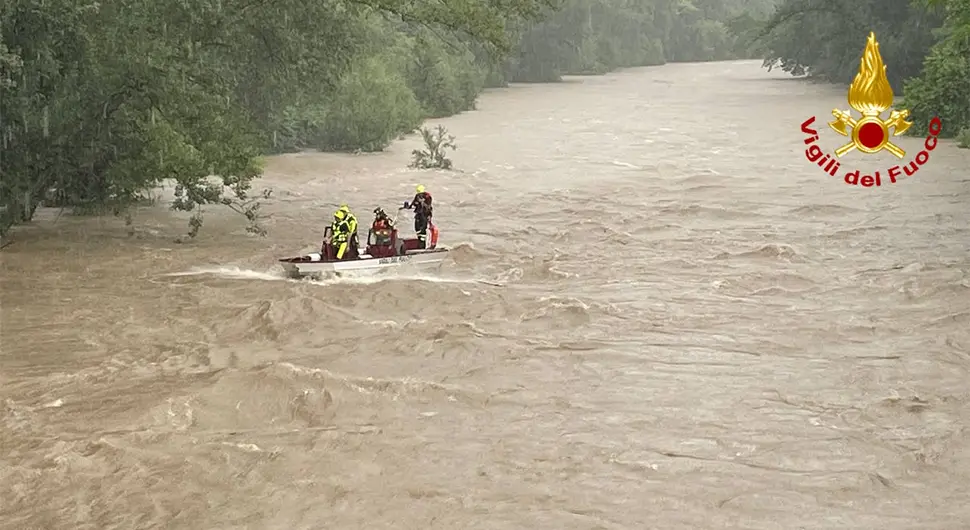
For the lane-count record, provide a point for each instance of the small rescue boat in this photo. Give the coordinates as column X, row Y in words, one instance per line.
column 385, row 249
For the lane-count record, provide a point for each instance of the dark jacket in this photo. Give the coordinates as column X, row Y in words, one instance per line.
column 422, row 204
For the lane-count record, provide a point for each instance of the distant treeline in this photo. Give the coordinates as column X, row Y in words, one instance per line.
column 925, row 44
column 101, row 101
column 598, row 36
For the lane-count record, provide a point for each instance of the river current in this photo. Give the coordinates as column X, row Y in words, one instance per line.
column 658, row 314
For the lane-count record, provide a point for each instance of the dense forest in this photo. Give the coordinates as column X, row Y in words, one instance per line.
column 100, row 102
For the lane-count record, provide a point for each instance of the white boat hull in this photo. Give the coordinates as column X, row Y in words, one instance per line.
column 313, row 265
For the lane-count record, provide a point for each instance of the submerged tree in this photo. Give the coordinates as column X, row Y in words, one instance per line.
column 436, row 142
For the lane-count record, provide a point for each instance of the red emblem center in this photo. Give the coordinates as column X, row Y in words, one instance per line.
column 871, row 135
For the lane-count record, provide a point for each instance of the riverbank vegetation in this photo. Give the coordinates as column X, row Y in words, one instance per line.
column 100, row 103
column 925, row 44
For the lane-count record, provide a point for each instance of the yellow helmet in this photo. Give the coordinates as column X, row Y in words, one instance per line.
column 339, row 215
column 344, row 208
column 420, row 188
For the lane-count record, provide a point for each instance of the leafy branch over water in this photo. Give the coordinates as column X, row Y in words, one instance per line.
column 193, row 199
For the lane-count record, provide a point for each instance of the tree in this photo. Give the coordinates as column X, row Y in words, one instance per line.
column 101, row 102
column 943, row 87
column 925, row 43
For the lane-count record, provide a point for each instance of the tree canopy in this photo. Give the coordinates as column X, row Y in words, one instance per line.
column 925, row 43
column 102, row 102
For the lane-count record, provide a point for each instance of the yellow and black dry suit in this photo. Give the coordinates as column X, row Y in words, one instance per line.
column 344, row 227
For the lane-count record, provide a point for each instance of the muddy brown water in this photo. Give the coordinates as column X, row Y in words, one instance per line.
column 657, row 314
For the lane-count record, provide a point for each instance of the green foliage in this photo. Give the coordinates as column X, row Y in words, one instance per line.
column 436, row 142
column 963, row 138
column 110, row 103
column 100, row 103
column 589, row 37
column 443, row 76
column 370, row 107
column 942, row 90
column 825, row 38
column 597, row 36
column 926, row 45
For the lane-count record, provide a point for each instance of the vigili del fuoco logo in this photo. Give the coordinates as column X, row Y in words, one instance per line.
column 870, row 95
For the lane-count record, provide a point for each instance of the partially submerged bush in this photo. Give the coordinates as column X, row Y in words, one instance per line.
column 963, row 138
column 433, row 156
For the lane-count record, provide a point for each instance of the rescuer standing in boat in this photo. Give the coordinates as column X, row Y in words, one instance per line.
column 344, row 229
column 422, row 213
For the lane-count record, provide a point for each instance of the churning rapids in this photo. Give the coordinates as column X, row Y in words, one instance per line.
column 659, row 315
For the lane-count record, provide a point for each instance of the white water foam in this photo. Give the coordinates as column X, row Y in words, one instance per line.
column 236, row 273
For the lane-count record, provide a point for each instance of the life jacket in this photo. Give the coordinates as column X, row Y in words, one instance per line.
column 347, row 226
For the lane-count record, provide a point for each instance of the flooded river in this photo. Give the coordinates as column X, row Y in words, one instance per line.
column 658, row 314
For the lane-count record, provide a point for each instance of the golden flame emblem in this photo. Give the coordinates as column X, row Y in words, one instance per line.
column 870, row 94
